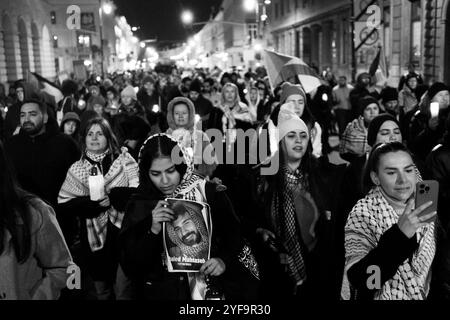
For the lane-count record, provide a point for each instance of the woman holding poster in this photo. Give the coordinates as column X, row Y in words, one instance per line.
column 160, row 224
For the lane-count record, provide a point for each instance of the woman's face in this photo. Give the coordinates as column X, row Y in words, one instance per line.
column 295, row 145
column 253, row 94
column 98, row 108
column 110, row 95
column 126, row 100
column 95, row 140
column 396, row 175
column 164, row 175
column 412, row 83
column 70, row 127
column 443, row 98
column 370, row 112
column 181, row 115
column 388, row 132
column 299, row 103
column 229, row 94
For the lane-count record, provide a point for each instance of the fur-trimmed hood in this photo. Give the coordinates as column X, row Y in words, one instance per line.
column 191, row 108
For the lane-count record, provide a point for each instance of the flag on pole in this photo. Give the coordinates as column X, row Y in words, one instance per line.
column 379, row 64
column 42, row 84
column 282, row 67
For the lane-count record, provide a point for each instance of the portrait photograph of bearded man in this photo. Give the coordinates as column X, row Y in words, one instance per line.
column 187, row 237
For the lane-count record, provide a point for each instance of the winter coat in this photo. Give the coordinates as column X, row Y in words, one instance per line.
column 324, row 181
column 45, row 272
column 41, row 163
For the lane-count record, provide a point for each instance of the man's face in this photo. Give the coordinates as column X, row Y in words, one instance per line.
column 20, row 94
column 206, row 87
column 186, row 230
column 193, row 95
column 365, row 81
column 342, row 81
column 391, row 106
column 32, row 120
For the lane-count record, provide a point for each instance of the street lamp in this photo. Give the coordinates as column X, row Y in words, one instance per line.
column 106, row 8
column 250, row 5
column 187, row 17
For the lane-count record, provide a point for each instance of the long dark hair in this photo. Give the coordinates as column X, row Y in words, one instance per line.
column 159, row 146
column 111, row 139
column 15, row 215
column 374, row 160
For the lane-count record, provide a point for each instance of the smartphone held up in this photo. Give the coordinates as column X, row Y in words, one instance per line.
column 427, row 190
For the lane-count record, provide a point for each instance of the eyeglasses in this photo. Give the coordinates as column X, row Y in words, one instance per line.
column 261, row 88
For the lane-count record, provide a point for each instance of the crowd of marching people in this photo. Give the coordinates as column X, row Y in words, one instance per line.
column 309, row 229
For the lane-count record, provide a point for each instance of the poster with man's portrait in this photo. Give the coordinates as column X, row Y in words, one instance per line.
column 187, row 238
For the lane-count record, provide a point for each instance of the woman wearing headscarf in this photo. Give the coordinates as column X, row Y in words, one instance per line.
column 389, row 244
column 100, row 220
column 230, row 268
column 293, row 212
column 183, row 128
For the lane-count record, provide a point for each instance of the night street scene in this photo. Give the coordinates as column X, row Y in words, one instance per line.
column 252, row 152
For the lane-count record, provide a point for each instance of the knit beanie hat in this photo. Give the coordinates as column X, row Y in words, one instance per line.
column 94, row 87
column 364, row 102
column 289, row 121
column 97, row 100
column 195, row 86
column 388, row 94
column 375, row 125
column 107, row 83
column 289, row 89
column 70, row 116
column 128, row 91
column 435, row 88
column 148, row 79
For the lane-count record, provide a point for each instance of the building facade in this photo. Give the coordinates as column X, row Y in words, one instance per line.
column 38, row 35
column 25, row 40
column 320, row 32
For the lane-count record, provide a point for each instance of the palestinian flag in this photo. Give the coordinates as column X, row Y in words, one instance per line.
column 44, row 85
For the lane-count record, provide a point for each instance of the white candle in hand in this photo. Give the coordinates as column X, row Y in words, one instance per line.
column 96, row 185
column 434, row 109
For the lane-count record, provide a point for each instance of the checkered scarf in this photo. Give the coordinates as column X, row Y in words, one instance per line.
column 285, row 223
column 369, row 219
column 122, row 173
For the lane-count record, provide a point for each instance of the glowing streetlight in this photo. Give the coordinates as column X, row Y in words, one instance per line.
column 134, row 29
column 187, row 17
column 250, row 5
column 142, row 45
column 107, row 8
column 267, row 2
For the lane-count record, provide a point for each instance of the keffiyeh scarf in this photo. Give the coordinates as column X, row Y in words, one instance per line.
column 285, row 223
column 122, row 173
column 370, row 218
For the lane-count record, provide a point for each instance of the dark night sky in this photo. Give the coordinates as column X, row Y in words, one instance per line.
column 161, row 18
